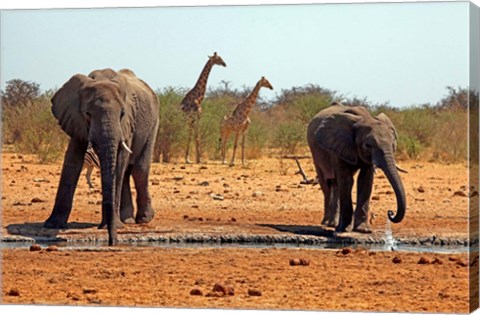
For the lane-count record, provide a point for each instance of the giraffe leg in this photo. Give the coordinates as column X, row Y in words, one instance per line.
column 189, row 139
column 235, row 142
column 197, row 142
column 243, row 149
column 244, row 135
column 224, row 139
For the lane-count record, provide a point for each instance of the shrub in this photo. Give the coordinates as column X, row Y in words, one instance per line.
column 289, row 136
column 33, row 129
column 172, row 129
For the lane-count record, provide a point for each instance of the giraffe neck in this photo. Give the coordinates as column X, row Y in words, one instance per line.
column 247, row 106
column 201, row 84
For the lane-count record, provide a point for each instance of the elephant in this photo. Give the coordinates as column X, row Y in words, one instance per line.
column 344, row 140
column 118, row 115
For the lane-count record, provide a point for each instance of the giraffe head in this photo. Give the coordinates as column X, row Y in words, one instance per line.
column 217, row 60
column 264, row 83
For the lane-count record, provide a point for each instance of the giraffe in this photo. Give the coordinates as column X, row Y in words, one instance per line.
column 192, row 104
column 238, row 122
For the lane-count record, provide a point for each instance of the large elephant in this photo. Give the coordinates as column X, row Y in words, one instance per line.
column 342, row 141
column 117, row 113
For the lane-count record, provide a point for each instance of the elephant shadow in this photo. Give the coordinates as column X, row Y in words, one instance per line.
column 312, row 230
column 38, row 232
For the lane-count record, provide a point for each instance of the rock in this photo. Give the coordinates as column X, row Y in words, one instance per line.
column 199, row 281
column 225, row 290
column 346, row 251
column 295, row 262
column 233, row 220
column 460, row 193
column 214, row 294
column 421, row 189
column 279, row 188
column 204, row 183
column 462, row 263
column 225, row 185
column 424, row 261
column 196, row 292
column 473, row 193
column 257, row 194
column 217, row 197
column 375, row 197
column 253, row 292
column 19, row 203
column 304, row 262
column 155, row 182
column 52, row 248
column 396, row 260
column 89, row 291
column 437, row 261
column 73, row 296
column 178, row 178
column 35, row 248
column 203, row 168
column 37, row 200
column 13, row 292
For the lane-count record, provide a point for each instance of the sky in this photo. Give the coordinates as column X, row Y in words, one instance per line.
column 401, row 53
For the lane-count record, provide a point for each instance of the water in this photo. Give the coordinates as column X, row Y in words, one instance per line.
column 392, row 245
column 390, row 242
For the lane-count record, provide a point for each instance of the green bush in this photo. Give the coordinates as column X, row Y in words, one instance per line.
column 33, row 129
column 289, row 136
column 172, row 130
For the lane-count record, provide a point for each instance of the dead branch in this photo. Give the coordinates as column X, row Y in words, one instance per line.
column 300, row 171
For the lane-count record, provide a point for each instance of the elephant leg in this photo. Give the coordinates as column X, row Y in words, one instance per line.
column 332, row 210
column 326, row 198
column 345, row 184
column 364, row 190
column 126, row 204
column 72, row 167
column 235, row 143
column 145, row 211
column 140, row 174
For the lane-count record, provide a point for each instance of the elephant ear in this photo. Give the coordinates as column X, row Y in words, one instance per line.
column 66, row 107
column 335, row 134
column 384, row 118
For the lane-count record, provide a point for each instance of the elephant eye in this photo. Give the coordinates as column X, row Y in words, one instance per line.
column 122, row 113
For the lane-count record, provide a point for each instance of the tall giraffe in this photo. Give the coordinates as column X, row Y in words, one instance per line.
column 192, row 104
column 238, row 122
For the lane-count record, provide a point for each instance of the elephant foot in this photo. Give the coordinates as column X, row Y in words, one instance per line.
column 129, row 221
column 145, row 218
column 53, row 223
column 343, row 227
column 329, row 222
column 103, row 225
column 231, row 164
column 363, row 228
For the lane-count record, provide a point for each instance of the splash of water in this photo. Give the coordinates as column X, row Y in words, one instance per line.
column 390, row 242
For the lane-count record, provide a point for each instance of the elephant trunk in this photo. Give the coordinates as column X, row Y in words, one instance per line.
column 387, row 163
column 108, row 159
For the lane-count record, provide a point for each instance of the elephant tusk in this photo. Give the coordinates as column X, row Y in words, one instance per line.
column 374, row 170
column 125, row 146
column 400, row 169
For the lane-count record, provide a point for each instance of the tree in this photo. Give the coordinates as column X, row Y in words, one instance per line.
column 19, row 92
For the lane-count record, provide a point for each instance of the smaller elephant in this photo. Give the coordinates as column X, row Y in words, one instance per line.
column 344, row 140
column 118, row 115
